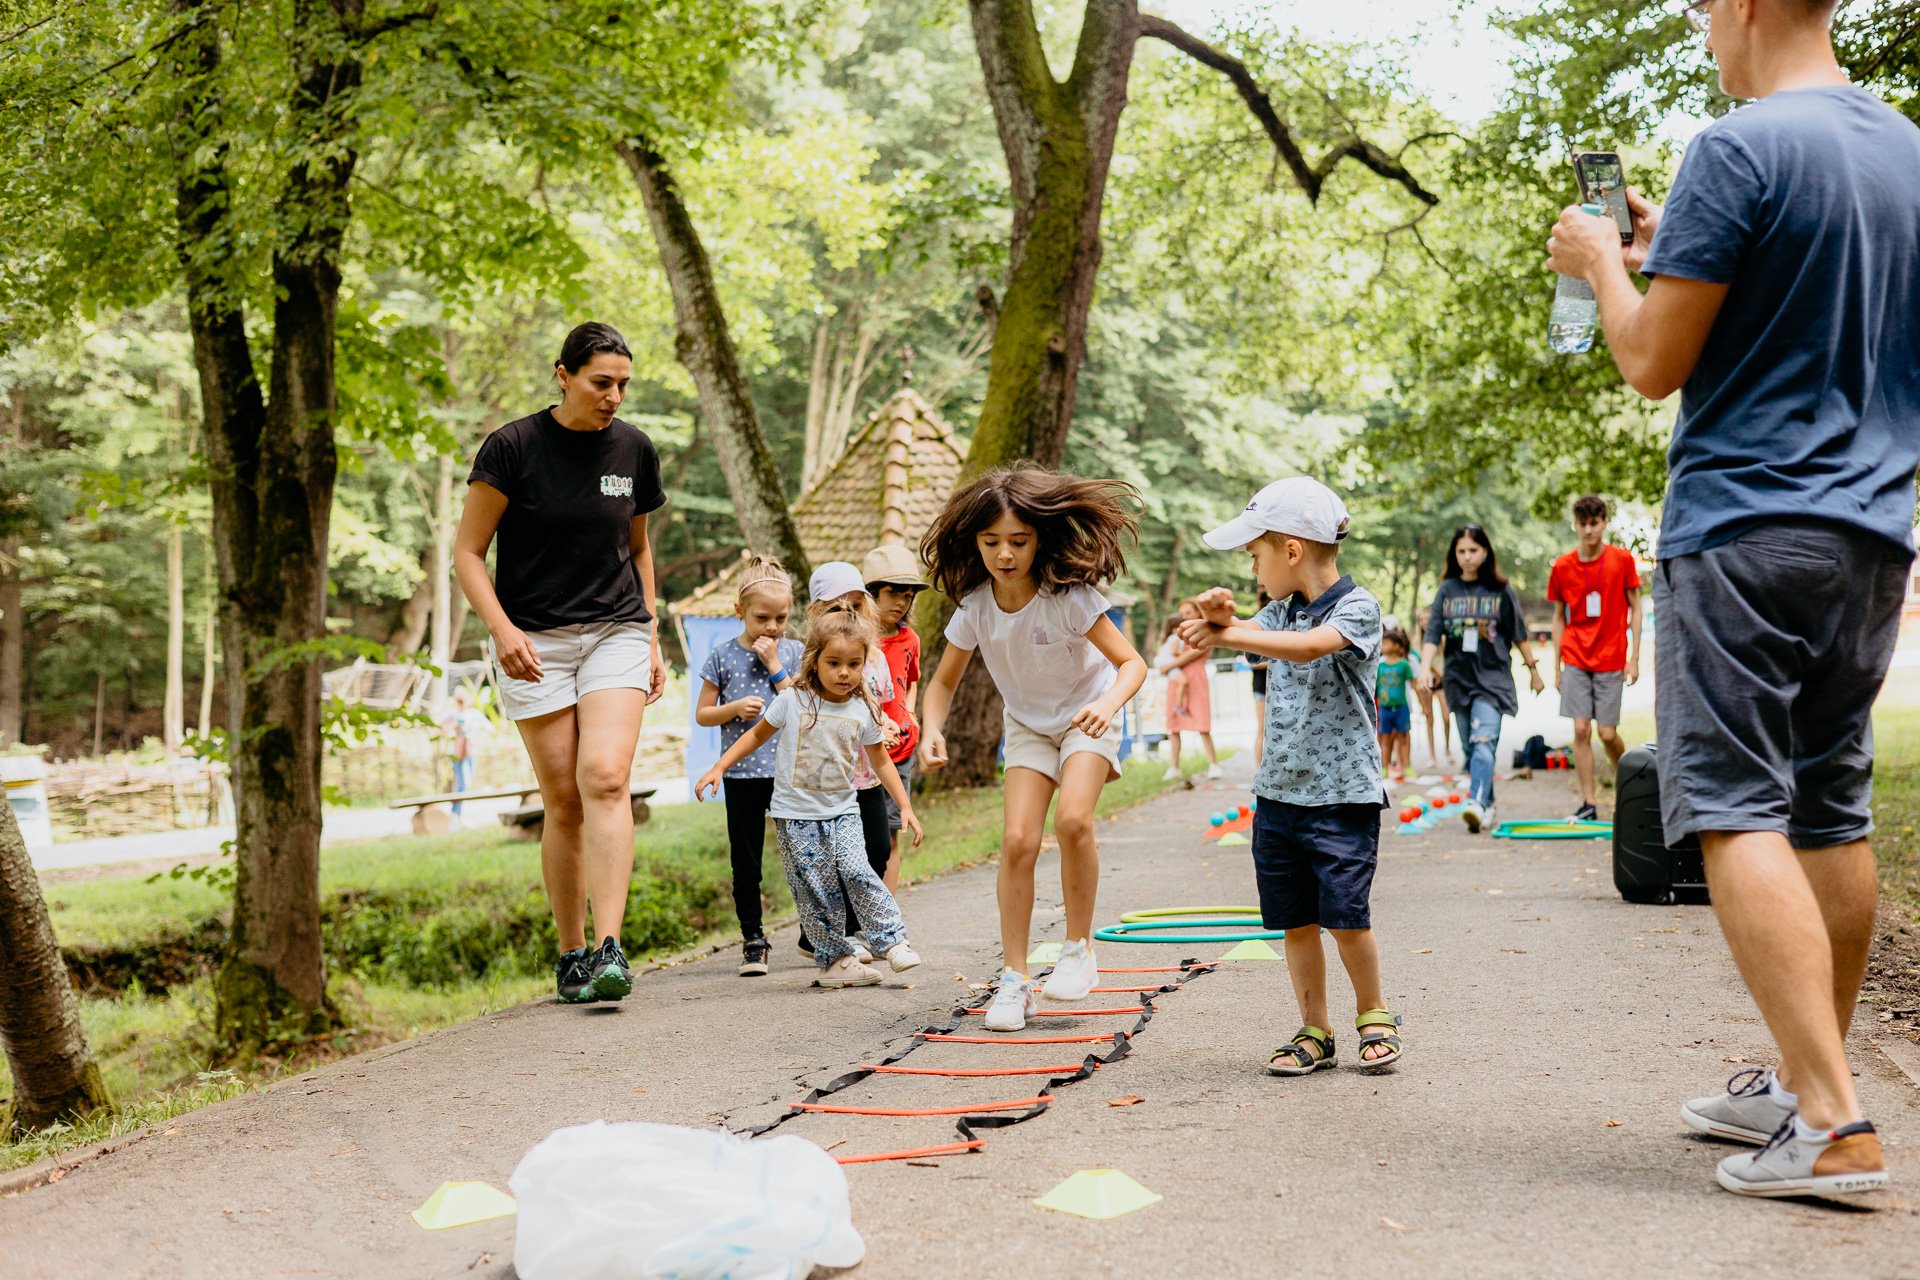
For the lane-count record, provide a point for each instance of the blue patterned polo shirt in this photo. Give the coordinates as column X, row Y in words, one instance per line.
column 1320, row 747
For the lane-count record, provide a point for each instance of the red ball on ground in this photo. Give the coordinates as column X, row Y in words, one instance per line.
column 1454, row 798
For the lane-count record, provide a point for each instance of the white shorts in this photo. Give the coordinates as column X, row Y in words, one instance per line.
column 576, row 661
column 1044, row 753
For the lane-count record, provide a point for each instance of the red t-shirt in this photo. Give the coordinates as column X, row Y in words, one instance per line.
column 1594, row 643
column 902, row 652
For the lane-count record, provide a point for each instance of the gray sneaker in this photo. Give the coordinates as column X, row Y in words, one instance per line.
column 1841, row 1162
column 1746, row 1112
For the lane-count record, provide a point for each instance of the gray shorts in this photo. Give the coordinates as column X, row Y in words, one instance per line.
column 1769, row 653
column 1591, row 695
column 905, row 769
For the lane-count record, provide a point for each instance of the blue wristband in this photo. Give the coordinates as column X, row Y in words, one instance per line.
column 777, row 676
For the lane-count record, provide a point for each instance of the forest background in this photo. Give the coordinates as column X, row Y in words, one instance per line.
column 853, row 199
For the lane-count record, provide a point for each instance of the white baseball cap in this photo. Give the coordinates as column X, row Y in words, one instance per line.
column 1299, row 505
column 834, row 579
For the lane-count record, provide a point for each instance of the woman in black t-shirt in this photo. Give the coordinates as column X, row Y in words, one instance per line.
column 570, row 613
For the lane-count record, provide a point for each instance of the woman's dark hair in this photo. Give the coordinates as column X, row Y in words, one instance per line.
column 587, row 341
column 1489, row 570
column 1082, row 526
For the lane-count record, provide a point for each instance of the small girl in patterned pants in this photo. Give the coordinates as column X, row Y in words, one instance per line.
column 830, row 723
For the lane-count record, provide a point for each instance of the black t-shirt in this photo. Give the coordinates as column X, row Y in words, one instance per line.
column 1486, row 671
column 565, row 557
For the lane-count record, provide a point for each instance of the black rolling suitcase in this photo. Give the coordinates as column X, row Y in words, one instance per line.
column 1645, row 870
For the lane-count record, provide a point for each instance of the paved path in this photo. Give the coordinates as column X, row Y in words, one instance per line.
column 1530, row 1133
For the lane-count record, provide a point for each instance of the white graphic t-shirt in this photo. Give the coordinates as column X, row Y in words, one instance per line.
column 1039, row 656
column 822, row 745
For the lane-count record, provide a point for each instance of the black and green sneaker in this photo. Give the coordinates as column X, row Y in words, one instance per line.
column 611, row 978
column 573, row 972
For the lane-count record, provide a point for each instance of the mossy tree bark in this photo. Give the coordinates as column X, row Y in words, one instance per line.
column 1058, row 138
column 54, row 1075
column 272, row 466
column 704, row 344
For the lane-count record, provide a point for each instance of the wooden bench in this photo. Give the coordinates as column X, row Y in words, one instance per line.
column 429, row 819
column 524, row 823
column 529, row 821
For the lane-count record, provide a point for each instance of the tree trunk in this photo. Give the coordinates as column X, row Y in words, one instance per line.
column 54, row 1076
column 209, row 646
column 444, row 520
column 173, row 710
column 13, row 645
column 415, row 615
column 705, row 346
column 272, row 469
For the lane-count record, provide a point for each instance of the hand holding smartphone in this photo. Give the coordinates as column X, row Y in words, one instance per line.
column 1604, row 182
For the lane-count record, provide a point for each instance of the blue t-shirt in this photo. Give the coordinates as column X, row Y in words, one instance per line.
column 738, row 673
column 1806, row 399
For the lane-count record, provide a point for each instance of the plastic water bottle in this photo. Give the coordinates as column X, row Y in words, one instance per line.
column 1575, row 312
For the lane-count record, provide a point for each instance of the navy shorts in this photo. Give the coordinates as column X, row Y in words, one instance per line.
column 1773, row 647
column 1396, row 719
column 1314, row 863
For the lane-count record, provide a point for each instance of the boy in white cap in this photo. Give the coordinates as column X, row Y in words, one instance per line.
column 1316, row 821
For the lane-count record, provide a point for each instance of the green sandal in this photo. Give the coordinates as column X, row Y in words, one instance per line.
column 1377, row 1018
column 1296, row 1059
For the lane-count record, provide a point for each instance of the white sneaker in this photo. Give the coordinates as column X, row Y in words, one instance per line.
column 1012, row 1004
column 1474, row 816
column 848, row 972
column 1073, row 975
column 902, row 957
column 861, row 951
column 1171, row 775
column 1213, row 772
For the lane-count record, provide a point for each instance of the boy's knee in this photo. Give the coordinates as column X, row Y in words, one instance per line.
column 1583, row 731
column 1609, row 734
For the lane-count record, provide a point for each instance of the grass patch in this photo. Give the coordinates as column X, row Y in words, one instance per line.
column 421, row 933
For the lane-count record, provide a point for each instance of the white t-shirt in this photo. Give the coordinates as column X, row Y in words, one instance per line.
column 1040, row 657
column 819, row 755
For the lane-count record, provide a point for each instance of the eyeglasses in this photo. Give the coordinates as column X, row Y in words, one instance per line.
column 1700, row 16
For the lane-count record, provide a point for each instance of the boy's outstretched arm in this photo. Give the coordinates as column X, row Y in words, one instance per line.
column 1288, row 646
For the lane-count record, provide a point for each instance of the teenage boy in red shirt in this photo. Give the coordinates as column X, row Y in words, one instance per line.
column 894, row 577
column 1595, row 590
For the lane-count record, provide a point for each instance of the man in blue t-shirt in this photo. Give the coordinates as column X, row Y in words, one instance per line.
column 1785, row 307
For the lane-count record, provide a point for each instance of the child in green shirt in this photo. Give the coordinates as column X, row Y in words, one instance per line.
column 1390, row 698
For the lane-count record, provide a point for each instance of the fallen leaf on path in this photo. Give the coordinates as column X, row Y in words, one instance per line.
column 959, row 977
column 1381, row 1163
column 1514, row 951
column 1733, row 1059
column 1615, row 1124
column 841, row 1143
column 168, row 1133
column 56, row 1175
column 480, row 1261
column 1424, row 951
column 910, row 986
column 1131, row 1100
column 1393, row 1224
column 639, row 1090
column 923, row 1164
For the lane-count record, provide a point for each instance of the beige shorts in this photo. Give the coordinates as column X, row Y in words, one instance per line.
column 1044, row 753
column 576, row 661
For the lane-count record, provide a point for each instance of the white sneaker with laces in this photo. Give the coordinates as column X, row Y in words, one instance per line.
column 1012, row 1004
column 1073, row 974
column 902, row 957
column 1474, row 816
column 848, row 972
column 1213, row 772
column 1172, row 774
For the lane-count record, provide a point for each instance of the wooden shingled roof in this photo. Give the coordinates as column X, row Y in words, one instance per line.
column 888, row 486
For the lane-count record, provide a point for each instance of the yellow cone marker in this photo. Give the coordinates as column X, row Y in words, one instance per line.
column 1098, row 1194
column 1232, row 837
column 1045, row 953
column 459, row 1204
column 1252, row 949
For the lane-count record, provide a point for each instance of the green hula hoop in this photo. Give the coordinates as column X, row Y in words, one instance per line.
column 1156, row 913
column 1132, row 931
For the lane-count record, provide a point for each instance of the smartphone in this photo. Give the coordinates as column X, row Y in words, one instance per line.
column 1603, row 182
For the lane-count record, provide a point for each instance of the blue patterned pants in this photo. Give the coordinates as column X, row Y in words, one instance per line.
column 819, row 857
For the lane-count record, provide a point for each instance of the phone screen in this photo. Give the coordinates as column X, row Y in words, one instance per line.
column 1603, row 182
